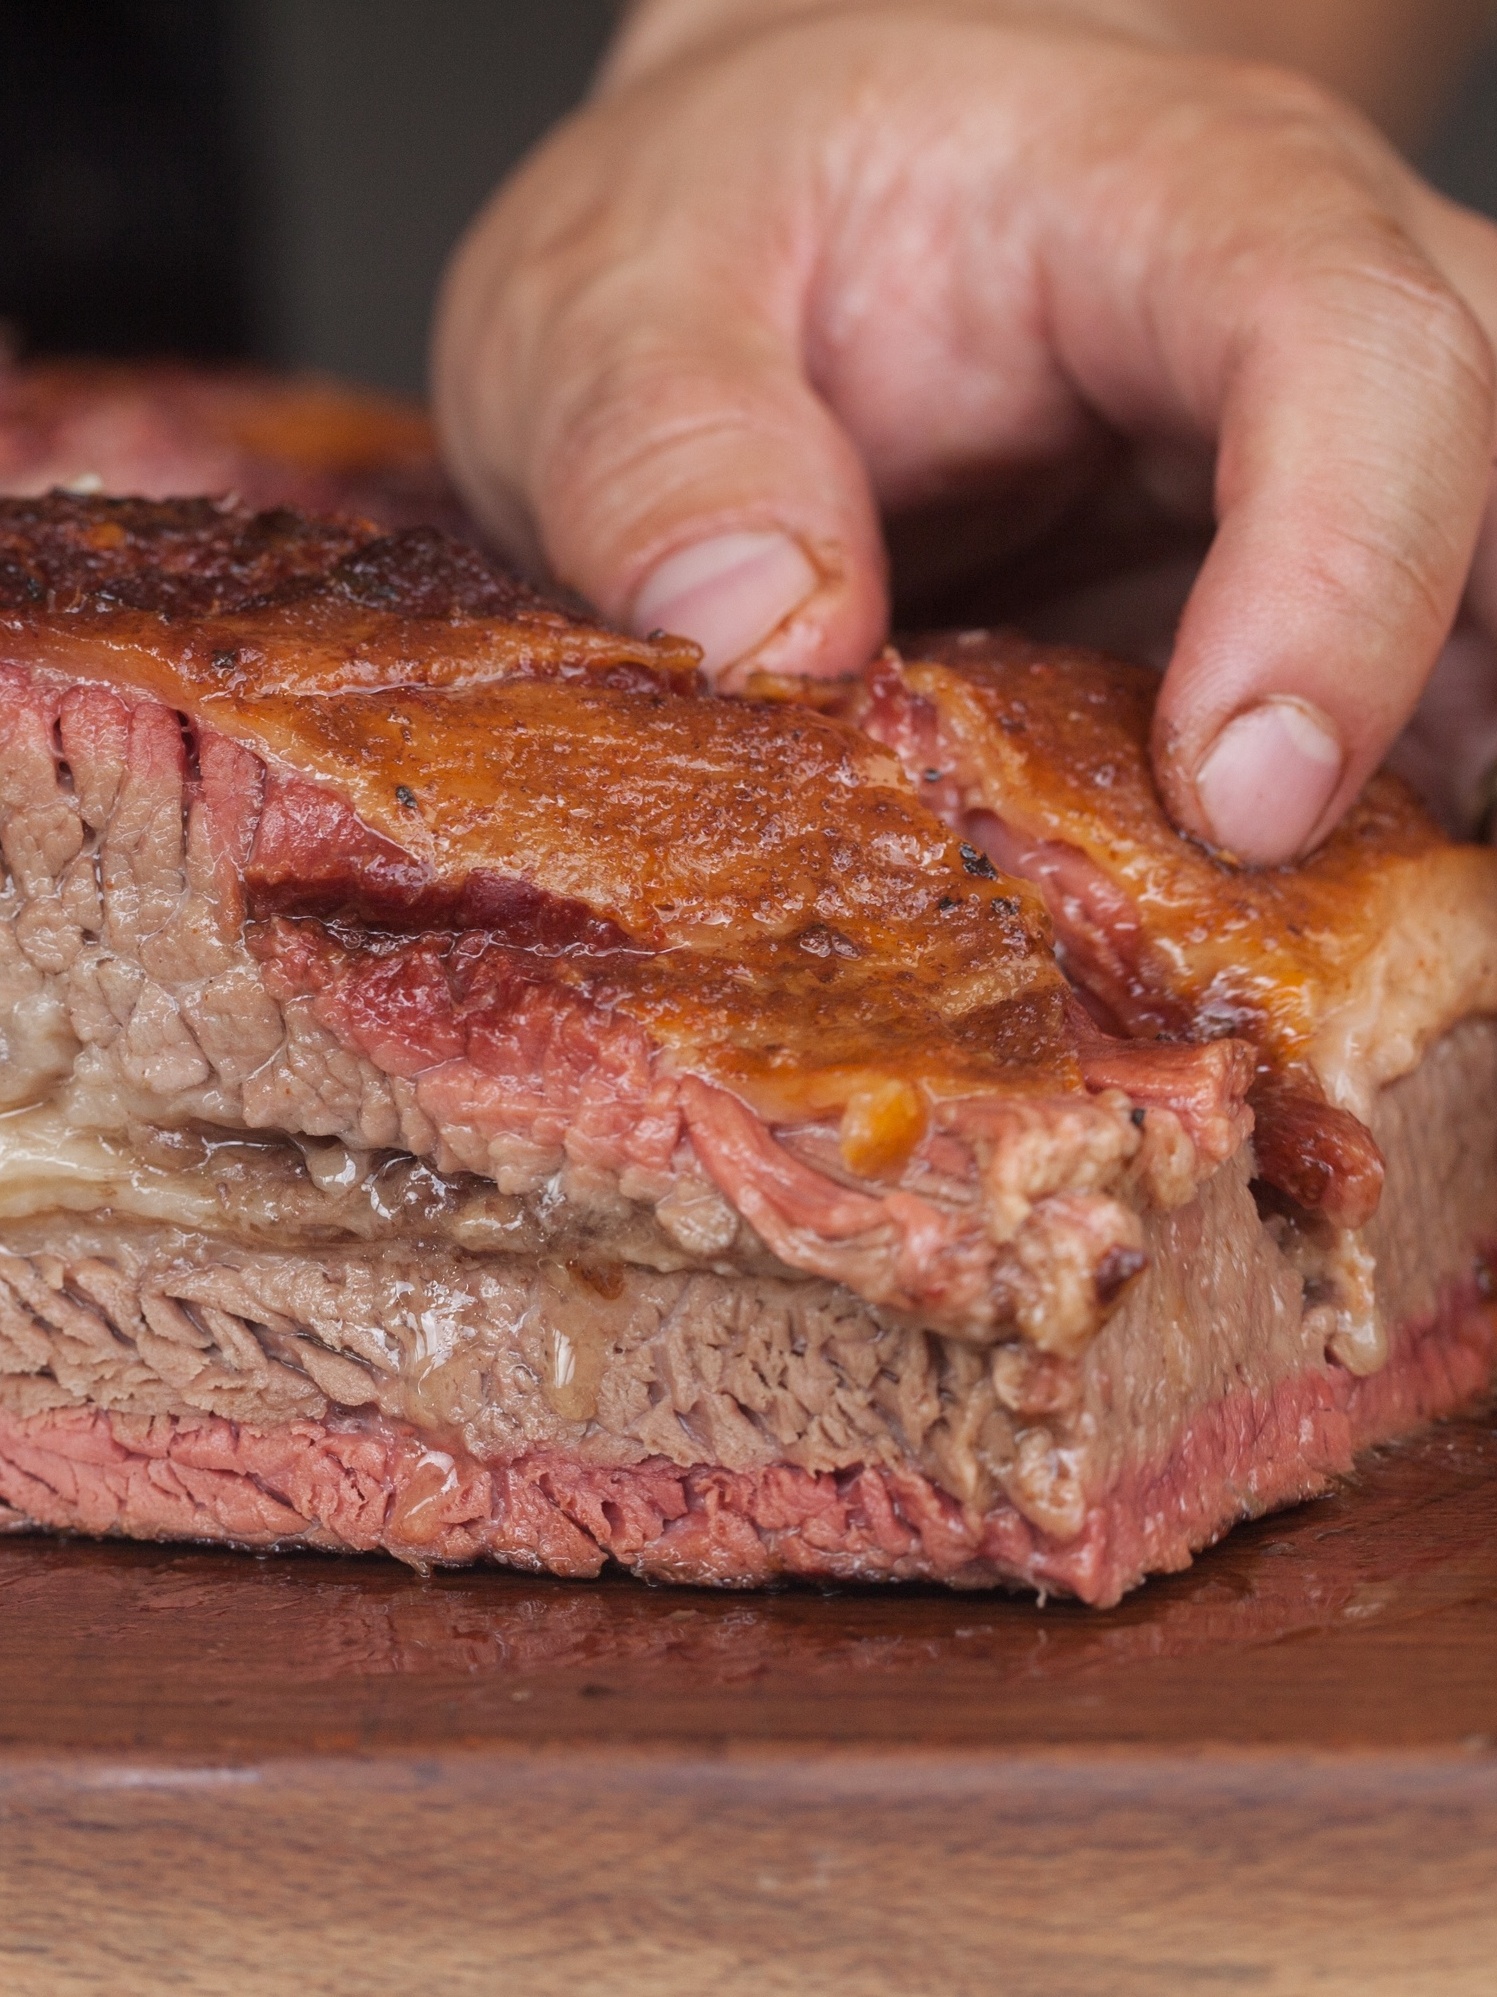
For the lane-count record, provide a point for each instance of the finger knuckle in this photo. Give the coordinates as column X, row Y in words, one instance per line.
column 1293, row 99
column 1298, row 150
column 1452, row 328
column 1423, row 321
column 1396, row 580
column 1352, row 276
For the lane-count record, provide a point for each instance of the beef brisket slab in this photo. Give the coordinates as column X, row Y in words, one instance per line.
column 468, row 1091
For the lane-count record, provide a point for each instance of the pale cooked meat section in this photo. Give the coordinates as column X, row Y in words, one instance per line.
column 692, row 1426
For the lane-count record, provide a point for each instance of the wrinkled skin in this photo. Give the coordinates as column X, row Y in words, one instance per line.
column 1053, row 301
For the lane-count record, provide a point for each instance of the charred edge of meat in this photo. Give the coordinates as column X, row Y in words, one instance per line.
column 1322, row 1159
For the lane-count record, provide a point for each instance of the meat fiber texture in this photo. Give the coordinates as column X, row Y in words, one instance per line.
column 1341, row 972
column 472, row 1092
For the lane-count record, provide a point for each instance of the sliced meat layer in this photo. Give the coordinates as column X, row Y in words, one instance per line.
column 450, row 1405
column 314, row 832
column 1341, row 972
column 362, row 1485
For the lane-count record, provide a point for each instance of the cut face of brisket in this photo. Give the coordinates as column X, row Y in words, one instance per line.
column 1342, row 972
column 471, row 1092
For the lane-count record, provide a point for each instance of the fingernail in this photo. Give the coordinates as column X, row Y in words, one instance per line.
column 728, row 593
column 1267, row 779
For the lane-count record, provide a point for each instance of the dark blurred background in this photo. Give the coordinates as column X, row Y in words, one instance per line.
column 282, row 179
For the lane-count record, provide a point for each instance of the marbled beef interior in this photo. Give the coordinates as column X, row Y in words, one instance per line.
column 473, row 1092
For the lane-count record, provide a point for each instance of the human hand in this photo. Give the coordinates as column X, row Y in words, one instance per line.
column 982, row 275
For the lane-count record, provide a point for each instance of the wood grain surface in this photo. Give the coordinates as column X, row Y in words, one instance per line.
column 1276, row 1773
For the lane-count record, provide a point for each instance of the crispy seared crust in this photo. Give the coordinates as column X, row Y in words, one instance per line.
column 1347, row 966
column 756, row 884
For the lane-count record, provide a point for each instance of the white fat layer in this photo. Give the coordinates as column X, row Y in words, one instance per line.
column 49, row 1166
column 1434, row 965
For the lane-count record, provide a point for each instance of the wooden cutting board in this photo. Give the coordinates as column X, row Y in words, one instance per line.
column 1276, row 1773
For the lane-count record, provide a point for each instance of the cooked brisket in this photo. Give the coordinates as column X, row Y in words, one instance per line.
column 1341, row 972
column 472, row 1092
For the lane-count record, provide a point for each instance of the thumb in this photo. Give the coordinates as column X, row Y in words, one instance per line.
column 633, row 414
column 1354, row 467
